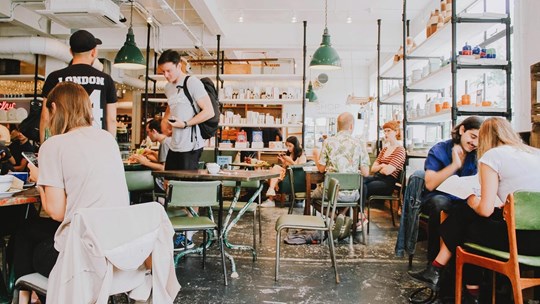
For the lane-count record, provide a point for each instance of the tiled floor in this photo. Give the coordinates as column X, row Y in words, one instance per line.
column 369, row 273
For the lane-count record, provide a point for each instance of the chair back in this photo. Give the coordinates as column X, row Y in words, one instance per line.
column 347, row 181
column 526, row 205
column 193, row 194
column 294, row 180
column 140, row 180
column 401, row 184
column 332, row 191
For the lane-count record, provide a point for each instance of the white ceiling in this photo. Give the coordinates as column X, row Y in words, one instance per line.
column 266, row 29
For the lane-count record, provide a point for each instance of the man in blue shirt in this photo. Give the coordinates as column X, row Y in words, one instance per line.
column 456, row 156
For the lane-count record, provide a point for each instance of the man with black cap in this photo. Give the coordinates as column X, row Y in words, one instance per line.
column 99, row 86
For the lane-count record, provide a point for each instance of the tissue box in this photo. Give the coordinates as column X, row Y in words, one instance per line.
column 225, row 145
column 241, row 145
column 275, row 145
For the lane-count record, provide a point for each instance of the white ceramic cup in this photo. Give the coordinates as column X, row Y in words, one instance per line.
column 213, row 168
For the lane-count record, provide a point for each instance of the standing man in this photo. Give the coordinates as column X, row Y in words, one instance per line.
column 187, row 143
column 99, row 86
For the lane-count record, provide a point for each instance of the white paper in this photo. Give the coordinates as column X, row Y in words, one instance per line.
column 461, row 187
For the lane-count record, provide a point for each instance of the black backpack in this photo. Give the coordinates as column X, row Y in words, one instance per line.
column 30, row 125
column 209, row 127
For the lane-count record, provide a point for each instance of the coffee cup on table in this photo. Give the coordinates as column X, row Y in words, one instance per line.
column 213, row 168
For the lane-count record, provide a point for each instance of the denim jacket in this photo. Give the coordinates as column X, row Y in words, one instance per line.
column 410, row 212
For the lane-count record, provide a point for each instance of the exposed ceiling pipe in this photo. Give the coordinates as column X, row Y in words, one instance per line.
column 39, row 45
column 196, row 41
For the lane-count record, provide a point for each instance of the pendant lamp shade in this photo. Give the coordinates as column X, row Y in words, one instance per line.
column 310, row 94
column 130, row 56
column 325, row 57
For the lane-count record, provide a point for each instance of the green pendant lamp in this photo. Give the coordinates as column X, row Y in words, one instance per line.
column 130, row 56
column 325, row 57
column 310, row 94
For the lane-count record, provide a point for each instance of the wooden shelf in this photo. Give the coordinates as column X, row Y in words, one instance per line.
column 297, row 125
column 25, row 77
column 19, row 99
column 253, row 77
column 261, row 101
column 443, row 115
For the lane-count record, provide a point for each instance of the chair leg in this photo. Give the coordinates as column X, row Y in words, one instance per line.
column 278, row 242
column 493, row 291
column 351, row 236
column 392, row 213
column 368, row 203
column 260, row 224
column 222, row 249
column 203, row 250
column 255, row 229
column 410, row 260
column 333, row 255
column 459, row 275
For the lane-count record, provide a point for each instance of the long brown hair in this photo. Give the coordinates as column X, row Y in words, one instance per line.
column 497, row 131
column 73, row 108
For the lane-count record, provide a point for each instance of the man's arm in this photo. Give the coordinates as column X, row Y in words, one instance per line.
column 435, row 178
column 43, row 121
column 207, row 111
column 111, row 118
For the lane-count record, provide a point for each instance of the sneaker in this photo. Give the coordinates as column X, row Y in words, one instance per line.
column 268, row 203
column 179, row 240
column 338, row 224
column 345, row 230
column 271, row 192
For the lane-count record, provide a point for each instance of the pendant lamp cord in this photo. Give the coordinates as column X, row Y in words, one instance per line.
column 325, row 13
column 131, row 15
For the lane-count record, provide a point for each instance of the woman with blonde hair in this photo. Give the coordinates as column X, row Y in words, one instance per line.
column 506, row 165
column 79, row 167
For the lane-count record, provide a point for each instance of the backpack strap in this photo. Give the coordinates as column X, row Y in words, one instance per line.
column 188, row 95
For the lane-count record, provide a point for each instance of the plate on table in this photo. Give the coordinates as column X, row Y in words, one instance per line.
column 9, row 193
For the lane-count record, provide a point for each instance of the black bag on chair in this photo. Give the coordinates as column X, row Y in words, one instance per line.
column 30, row 125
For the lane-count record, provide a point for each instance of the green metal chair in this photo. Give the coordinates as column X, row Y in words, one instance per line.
column 189, row 194
column 521, row 212
column 309, row 222
column 140, row 182
column 351, row 182
column 397, row 195
column 294, row 185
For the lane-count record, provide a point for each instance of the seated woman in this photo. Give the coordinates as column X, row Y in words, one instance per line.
column 294, row 156
column 19, row 144
column 79, row 167
column 388, row 165
column 506, row 165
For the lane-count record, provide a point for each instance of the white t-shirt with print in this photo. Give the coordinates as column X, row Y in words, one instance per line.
column 180, row 107
column 517, row 169
column 86, row 163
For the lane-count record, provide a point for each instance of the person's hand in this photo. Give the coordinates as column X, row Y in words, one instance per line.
column 175, row 122
column 458, row 156
column 316, row 154
column 34, row 172
column 138, row 158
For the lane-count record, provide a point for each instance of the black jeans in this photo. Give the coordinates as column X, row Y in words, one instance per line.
column 33, row 247
column 378, row 184
column 183, row 160
column 433, row 207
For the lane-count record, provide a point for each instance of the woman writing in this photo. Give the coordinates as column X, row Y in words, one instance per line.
column 506, row 165
column 79, row 167
column 294, row 156
column 388, row 165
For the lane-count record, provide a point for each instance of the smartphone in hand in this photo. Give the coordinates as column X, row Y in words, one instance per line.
column 31, row 157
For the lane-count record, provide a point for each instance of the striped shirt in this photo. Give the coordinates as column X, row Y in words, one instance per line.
column 396, row 159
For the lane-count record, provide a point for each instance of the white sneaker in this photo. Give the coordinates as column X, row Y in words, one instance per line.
column 271, row 192
column 268, row 203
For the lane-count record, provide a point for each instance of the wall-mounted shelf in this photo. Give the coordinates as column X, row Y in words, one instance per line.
column 24, row 77
column 297, row 125
column 19, row 99
column 261, row 101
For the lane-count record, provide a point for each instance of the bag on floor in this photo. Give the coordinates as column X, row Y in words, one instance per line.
column 301, row 237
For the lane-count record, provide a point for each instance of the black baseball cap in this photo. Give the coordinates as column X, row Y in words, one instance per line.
column 82, row 41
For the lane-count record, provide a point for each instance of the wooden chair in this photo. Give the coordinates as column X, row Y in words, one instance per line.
column 309, row 222
column 397, row 195
column 521, row 212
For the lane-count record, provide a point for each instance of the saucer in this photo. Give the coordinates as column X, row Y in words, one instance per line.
column 8, row 193
column 28, row 185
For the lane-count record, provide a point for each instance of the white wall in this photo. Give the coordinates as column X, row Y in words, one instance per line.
column 525, row 53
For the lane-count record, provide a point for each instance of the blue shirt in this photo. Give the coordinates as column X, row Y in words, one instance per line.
column 440, row 156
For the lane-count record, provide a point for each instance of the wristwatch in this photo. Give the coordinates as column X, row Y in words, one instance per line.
column 185, row 124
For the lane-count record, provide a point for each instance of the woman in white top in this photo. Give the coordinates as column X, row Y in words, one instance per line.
column 294, row 156
column 79, row 167
column 506, row 165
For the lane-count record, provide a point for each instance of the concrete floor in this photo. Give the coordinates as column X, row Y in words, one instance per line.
column 369, row 273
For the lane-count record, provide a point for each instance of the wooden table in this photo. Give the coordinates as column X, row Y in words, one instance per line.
column 27, row 196
column 250, row 166
column 237, row 176
column 313, row 177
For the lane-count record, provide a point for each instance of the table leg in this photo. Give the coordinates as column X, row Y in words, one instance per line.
column 307, row 205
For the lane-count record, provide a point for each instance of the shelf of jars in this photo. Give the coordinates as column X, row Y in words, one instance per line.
column 438, row 44
column 444, row 115
column 248, row 125
column 259, row 101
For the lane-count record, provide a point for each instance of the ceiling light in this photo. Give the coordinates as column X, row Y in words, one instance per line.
column 130, row 56
column 294, row 20
column 349, row 19
column 149, row 19
column 325, row 57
